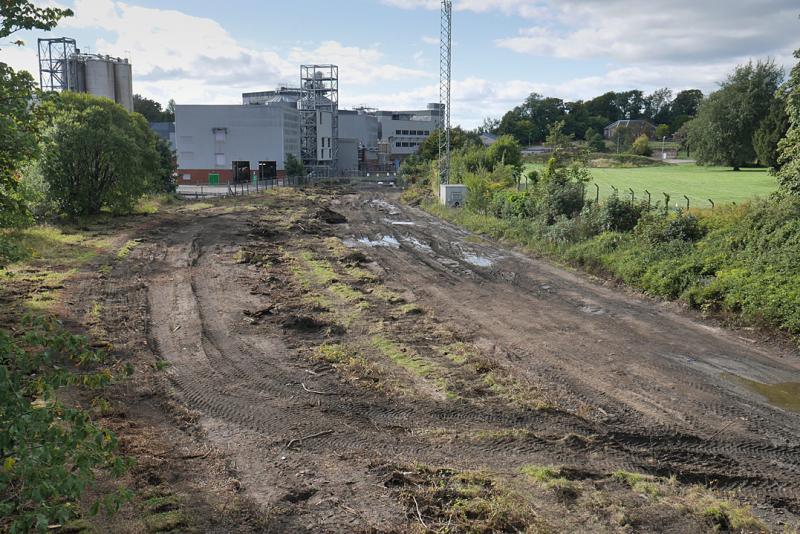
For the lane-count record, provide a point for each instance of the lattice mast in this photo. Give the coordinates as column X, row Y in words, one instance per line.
column 445, row 77
column 56, row 72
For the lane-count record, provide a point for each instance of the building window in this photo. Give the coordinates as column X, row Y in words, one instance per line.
column 427, row 132
column 219, row 159
column 219, row 135
column 187, row 177
column 405, row 132
column 398, row 132
column 397, row 145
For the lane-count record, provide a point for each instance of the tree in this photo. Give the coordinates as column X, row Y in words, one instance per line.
column 662, row 131
column 722, row 132
column 771, row 130
column 19, row 121
column 152, row 110
column 294, row 167
column 657, row 106
column 789, row 146
column 594, row 140
column 641, row 146
column 429, row 149
column 167, row 168
column 506, row 150
column 97, row 155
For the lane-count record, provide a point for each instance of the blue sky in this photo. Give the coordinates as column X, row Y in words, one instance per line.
column 210, row 51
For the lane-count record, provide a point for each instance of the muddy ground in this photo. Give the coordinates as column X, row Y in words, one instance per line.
column 336, row 361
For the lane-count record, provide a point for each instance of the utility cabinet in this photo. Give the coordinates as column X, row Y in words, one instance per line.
column 453, row 195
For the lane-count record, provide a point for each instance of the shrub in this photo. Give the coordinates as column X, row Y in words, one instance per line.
column 656, row 227
column 621, row 215
column 98, row 155
column 641, row 147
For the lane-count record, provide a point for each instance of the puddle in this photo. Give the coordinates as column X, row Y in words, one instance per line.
column 593, row 310
column 385, row 241
column 478, row 261
column 417, row 244
column 385, row 206
column 785, row 395
column 400, row 223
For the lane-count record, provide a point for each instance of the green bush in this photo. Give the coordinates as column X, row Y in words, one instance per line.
column 621, row 215
column 97, row 155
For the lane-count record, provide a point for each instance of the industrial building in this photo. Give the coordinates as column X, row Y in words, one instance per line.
column 63, row 67
column 228, row 143
column 233, row 143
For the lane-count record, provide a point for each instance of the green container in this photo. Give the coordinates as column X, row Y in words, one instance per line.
column 213, row 179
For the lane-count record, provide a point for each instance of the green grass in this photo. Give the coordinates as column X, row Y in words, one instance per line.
column 720, row 184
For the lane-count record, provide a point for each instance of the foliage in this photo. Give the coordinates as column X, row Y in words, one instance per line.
column 505, row 151
column 529, row 121
column 772, row 129
column 152, row 110
column 166, row 180
column 49, row 451
column 722, row 132
column 662, row 131
column 483, row 184
column 19, row 129
column 789, row 147
column 18, row 142
column 594, row 140
column 459, row 139
column 98, row 155
column 620, row 215
column 294, row 167
column 641, row 146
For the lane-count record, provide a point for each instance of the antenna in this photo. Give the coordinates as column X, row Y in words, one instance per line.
column 445, row 74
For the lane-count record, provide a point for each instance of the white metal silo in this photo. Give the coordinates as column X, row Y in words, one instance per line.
column 123, row 84
column 100, row 77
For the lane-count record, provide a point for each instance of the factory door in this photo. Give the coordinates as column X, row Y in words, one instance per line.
column 241, row 172
column 267, row 170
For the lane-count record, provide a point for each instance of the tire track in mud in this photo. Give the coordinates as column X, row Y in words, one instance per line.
column 674, row 444
column 249, row 377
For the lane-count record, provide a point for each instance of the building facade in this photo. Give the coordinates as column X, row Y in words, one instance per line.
column 212, row 141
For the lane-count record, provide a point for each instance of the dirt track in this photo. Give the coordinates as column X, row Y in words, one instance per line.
column 465, row 354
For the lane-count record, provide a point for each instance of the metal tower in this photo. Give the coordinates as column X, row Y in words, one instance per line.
column 445, row 75
column 55, row 72
column 319, row 118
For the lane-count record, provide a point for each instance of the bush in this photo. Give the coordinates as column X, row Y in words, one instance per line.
column 656, row 227
column 97, row 155
column 509, row 204
column 641, row 147
column 621, row 215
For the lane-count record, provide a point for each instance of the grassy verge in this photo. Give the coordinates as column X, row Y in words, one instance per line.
column 720, row 184
column 743, row 268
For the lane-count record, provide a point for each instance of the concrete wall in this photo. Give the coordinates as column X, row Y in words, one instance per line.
column 348, row 155
column 209, row 138
column 360, row 126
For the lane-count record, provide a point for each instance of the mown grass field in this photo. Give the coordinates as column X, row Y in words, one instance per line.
column 720, row 184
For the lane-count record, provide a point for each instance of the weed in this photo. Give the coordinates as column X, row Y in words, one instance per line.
column 161, row 365
column 639, row 483
column 165, row 521
column 127, row 248
column 198, row 206
column 404, row 357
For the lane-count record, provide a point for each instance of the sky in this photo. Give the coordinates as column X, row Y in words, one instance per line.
column 209, row 52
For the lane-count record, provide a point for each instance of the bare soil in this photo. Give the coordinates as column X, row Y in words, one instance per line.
column 335, row 361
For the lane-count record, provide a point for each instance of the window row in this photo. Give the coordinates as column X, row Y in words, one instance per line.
column 412, row 132
column 398, row 144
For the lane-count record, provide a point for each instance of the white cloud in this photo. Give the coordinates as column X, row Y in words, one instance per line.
column 522, row 8
column 196, row 60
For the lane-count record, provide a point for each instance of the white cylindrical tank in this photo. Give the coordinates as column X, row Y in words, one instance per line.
column 100, row 78
column 123, row 84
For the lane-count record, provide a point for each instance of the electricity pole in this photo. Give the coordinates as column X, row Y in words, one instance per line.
column 445, row 77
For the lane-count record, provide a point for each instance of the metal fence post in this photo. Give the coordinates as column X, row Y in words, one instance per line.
column 648, row 198
column 597, row 194
column 712, row 204
column 633, row 195
column 666, row 202
column 687, row 202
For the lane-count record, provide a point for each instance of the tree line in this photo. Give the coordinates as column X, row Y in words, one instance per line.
column 529, row 122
